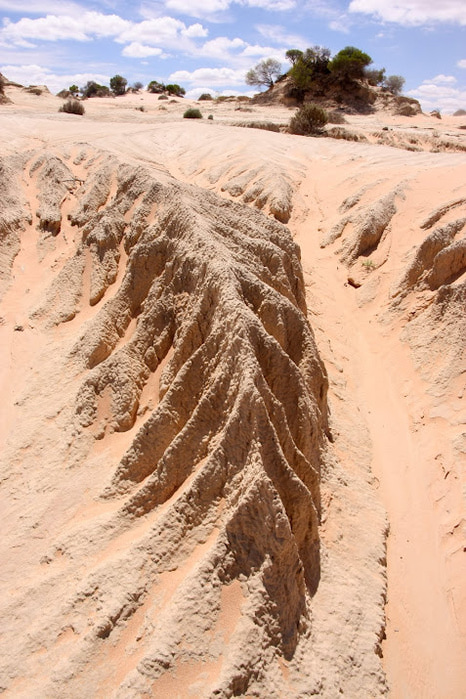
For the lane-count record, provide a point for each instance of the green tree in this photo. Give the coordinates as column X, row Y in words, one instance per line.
column 118, row 85
column 93, row 89
column 74, row 89
column 394, row 84
column 137, row 86
column 293, row 55
column 174, row 89
column 310, row 68
column 263, row 73
column 349, row 63
column 374, row 76
column 155, row 87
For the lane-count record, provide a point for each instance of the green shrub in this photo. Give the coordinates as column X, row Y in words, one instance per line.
column 163, row 97
column 309, row 119
column 72, row 107
column 205, row 96
column 118, row 85
column 155, row 87
column 211, row 116
column 192, row 113
column 175, row 90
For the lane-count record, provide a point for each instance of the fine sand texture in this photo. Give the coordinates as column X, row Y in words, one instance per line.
column 233, row 429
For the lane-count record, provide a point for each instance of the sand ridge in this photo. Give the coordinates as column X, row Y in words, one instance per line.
column 194, row 511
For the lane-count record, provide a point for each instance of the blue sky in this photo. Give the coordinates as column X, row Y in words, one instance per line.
column 208, row 45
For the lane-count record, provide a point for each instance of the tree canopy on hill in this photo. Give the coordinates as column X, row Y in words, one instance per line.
column 315, row 71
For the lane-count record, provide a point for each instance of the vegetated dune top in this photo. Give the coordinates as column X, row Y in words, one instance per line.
column 199, row 507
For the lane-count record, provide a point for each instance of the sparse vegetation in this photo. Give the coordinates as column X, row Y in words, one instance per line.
column 137, row 86
column 72, row 107
column 368, row 265
column 192, row 113
column 175, row 90
column 264, row 125
column 93, row 89
column 394, row 84
column 204, row 97
column 74, row 90
column 163, row 97
column 155, row 87
column 263, row 73
column 210, row 117
column 118, row 85
column 309, row 120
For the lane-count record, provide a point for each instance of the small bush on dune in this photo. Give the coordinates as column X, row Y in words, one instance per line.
column 205, row 96
column 192, row 114
column 163, row 97
column 308, row 120
column 72, row 107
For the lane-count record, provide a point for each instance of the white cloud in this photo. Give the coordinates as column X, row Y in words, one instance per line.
column 37, row 75
column 195, row 31
column 137, row 50
column 444, row 80
column 280, row 36
column 63, row 27
column 273, row 5
column 208, row 76
column 462, row 63
column 413, row 12
column 198, row 8
column 49, row 28
column 221, row 47
column 432, row 94
column 165, row 32
column 41, row 7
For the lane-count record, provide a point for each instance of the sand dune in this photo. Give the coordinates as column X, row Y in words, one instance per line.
column 233, row 450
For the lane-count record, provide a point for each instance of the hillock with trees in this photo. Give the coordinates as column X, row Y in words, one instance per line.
column 345, row 81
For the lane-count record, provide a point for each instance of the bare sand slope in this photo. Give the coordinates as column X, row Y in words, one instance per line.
column 187, row 510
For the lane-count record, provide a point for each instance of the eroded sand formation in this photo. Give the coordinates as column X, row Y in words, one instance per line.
column 197, row 485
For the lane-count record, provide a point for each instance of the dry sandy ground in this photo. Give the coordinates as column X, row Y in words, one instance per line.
column 381, row 238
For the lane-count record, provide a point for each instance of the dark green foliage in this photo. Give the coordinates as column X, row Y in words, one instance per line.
column 374, row 76
column 394, row 84
column 192, row 113
column 118, row 85
column 205, row 96
column 155, row 87
column 175, row 90
column 309, row 119
column 211, row 116
column 72, row 107
column 163, row 97
column 74, row 89
column 137, row 86
column 263, row 73
column 93, row 89
column 293, row 55
column 310, row 69
column 349, row 64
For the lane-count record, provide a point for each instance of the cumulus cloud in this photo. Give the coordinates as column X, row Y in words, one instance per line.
column 40, row 7
column 137, row 50
column 440, row 93
column 444, row 80
column 208, row 76
column 413, row 12
column 37, row 75
column 63, row 28
column 462, row 63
